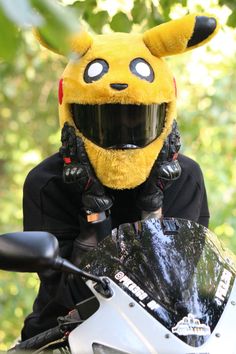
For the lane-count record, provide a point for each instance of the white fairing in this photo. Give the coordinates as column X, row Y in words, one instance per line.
column 130, row 329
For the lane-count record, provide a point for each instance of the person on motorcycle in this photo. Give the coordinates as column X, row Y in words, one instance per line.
column 119, row 161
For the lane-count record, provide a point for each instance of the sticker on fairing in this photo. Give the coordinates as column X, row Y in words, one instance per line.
column 191, row 326
column 223, row 287
column 129, row 284
column 141, row 296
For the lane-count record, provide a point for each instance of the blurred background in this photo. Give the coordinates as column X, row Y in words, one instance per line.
column 29, row 119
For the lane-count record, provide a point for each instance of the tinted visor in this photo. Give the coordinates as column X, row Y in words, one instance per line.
column 120, row 126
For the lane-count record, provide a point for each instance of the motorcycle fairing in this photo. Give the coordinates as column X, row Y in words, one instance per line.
column 173, row 268
column 125, row 327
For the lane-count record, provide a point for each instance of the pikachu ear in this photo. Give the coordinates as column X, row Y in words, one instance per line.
column 79, row 42
column 179, row 36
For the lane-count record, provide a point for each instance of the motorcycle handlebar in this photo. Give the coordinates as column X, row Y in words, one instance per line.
column 40, row 340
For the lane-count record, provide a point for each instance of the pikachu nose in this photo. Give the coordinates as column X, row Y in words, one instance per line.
column 119, row 87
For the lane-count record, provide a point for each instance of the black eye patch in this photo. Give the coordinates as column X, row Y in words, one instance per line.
column 95, row 70
column 141, row 68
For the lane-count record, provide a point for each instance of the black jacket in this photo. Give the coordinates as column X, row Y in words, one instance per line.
column 53, row 206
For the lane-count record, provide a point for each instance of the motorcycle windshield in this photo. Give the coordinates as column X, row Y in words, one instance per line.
column 175, row 269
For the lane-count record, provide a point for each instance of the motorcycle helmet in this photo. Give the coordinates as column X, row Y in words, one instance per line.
column 120, row 96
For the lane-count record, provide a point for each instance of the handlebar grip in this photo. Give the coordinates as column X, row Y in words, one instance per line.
column 40, row 340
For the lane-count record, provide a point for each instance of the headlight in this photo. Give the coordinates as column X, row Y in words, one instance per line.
column 103, row 349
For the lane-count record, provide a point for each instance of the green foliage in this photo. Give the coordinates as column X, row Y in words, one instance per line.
column 207, row 121
column 54, row 22
column 120, row 23
column 98, row 20
column 232, row 19
column 230, row 3
column 28, row 109
column 139, row 11
column 9, row 37
column 58, row 23
column 29, row 118
column 17, row 292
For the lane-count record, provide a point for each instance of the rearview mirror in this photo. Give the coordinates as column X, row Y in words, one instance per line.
column 35, row 251
column 32, row 251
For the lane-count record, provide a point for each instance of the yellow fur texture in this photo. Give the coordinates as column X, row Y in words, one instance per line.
column 119, row 169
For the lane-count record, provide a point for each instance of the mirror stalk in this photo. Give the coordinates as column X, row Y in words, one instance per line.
column 64, row 265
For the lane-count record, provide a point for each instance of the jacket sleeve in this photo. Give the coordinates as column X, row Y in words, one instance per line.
column 49, row 205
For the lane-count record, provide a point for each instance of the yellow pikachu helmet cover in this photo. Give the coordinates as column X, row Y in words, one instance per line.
column 120, row 96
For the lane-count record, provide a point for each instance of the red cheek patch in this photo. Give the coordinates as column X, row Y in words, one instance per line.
column 60, row 91
column 175, row 86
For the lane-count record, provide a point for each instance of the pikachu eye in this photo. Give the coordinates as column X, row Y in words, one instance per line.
column 95, row 70
column 142, row 69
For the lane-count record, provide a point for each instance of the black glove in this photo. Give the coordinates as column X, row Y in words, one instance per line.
column 96, row 224
column 78, row 170
column 165, row 170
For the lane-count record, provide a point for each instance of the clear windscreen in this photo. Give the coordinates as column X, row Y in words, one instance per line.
column 175, row 269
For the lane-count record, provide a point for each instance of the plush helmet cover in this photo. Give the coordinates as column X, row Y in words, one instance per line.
column 128, row 168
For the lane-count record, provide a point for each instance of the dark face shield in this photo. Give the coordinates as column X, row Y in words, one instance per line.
column 120, row 126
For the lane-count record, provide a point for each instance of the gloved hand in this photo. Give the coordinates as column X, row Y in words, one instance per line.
column 78, row 170
column 165, row 170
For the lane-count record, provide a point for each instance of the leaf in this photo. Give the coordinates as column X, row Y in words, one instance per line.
column 232, row 19
column 83, row 6
column 98, row 20
column 23, row 15
column 166, row 7
column 9, row 39
column 230, row 3
column 184, row 3
column 120, row 23
column 59, row 23
column 139, row 11
column 154, row 18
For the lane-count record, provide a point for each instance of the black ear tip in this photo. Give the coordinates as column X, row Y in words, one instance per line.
column 204, row 27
